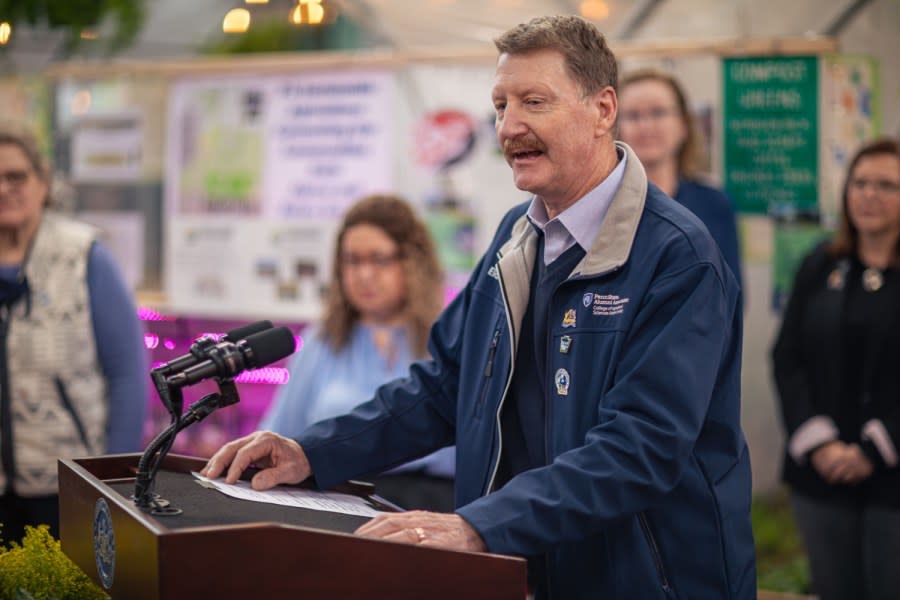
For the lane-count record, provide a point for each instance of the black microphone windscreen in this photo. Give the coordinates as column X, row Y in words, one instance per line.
column 239, row 333
column 271, row 345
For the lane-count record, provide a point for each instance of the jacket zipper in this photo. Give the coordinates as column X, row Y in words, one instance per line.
column 70, row 408
column 488, row 369
column 512, row 359
column 654, row 551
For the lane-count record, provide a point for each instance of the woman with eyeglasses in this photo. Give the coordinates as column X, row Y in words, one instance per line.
column 384, row 294
column 655, row 121
column 72, row 357
column 837, row 369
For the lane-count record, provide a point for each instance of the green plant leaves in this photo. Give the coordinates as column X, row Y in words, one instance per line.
column 79, row 16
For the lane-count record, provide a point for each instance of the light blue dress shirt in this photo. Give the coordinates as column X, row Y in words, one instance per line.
column 580, row 223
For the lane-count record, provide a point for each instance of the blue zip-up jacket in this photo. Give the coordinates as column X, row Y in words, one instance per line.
column 647, row 489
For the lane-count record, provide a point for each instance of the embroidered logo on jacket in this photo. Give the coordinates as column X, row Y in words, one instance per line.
column 606, row 305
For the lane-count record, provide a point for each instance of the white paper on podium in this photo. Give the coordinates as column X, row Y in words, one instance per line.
column 285, row 496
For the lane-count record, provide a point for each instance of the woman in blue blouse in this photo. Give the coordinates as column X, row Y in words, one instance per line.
column 386, row 291
column 655, row 121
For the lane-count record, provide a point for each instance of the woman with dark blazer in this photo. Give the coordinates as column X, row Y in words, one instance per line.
column 837, row 369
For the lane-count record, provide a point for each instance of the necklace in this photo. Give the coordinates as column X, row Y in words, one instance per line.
column 872, row 279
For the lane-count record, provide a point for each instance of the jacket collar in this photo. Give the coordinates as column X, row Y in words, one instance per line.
column 612, row 246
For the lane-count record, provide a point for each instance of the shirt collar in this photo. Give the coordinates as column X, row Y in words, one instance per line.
column 583, row 219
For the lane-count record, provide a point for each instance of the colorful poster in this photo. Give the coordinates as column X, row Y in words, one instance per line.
column 301, row 147
column 851, row 99
column 215, row 148
column 771, row 133
column 260, row 170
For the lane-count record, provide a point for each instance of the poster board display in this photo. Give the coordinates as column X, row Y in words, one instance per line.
column 259, row 170
column 771, row 133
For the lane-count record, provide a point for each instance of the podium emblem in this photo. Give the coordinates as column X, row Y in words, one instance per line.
column 104, row 543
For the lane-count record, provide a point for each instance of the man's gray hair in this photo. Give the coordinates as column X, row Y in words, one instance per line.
column 588, row 58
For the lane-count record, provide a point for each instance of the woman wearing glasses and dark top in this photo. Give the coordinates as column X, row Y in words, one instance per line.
column 385, row 293
column 837, row 369
column 655, row 121
column 72, row 358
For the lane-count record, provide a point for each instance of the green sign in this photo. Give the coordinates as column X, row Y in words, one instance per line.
column 771, row 133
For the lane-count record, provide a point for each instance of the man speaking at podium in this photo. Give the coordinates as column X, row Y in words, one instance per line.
column 589, row 373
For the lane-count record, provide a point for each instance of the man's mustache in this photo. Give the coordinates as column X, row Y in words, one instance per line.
column 517, row 145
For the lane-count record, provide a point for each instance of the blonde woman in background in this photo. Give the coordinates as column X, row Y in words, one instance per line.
column 655, row 121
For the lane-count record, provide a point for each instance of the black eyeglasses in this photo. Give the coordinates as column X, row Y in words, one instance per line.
column 15, row 178
column 884, row 186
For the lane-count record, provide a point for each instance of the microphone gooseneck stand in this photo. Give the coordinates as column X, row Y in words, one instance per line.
column 207, row 360
column 173, row 399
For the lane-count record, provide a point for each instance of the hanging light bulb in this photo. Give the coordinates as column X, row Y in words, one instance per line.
column 256, row 1
column 5, row 33
column 594, row 10
column 237, row 20
column 310, row 12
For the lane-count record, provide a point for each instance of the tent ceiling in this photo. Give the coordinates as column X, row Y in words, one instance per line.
column 175, row 28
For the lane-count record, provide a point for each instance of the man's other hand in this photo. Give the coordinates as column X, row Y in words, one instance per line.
column 423, row 528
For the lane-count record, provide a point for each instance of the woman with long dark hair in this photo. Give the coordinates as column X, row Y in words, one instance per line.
column 837, row 369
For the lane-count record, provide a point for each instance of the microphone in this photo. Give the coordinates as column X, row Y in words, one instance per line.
column 202, row 345
column 227, row 359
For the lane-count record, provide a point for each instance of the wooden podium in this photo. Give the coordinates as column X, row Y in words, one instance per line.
column 221, row 547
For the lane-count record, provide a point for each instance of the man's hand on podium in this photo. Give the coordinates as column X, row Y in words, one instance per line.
column 281, row 459
column 423, row 528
